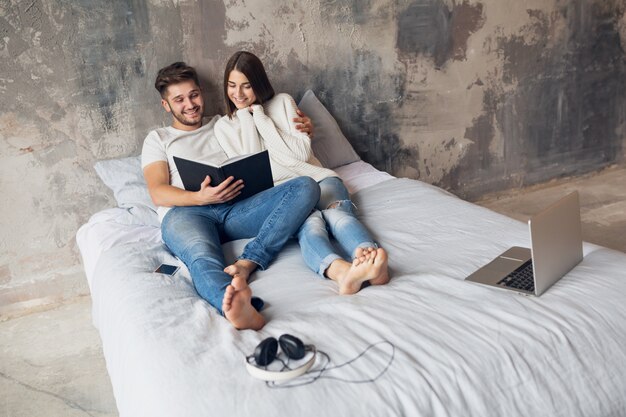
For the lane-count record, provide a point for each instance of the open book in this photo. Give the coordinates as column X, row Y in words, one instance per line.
column 254, row 169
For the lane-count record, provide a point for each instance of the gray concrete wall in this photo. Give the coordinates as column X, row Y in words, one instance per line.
column 473, row 96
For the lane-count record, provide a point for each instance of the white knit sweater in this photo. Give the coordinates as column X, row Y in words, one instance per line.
column 271, row 127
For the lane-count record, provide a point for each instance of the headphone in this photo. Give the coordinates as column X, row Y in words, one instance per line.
column 266, row 351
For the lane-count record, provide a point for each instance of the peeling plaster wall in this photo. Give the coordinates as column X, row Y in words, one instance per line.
column 75, row 87
column 473, row 96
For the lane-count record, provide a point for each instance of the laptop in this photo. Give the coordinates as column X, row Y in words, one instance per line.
column 555, row 248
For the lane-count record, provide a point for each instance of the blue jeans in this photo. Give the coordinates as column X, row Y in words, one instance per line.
column 340, row 221
column 195, row 233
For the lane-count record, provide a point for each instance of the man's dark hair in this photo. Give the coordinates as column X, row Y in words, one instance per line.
column 175, row 73
column 249, row 65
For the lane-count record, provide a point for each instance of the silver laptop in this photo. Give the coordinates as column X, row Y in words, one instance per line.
column 555, row 247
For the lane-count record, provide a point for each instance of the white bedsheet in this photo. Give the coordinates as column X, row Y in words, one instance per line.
column 459, row 349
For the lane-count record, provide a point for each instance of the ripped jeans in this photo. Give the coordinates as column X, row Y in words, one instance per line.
column 340, row 221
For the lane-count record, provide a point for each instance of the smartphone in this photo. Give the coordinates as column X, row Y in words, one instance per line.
column 167, row 269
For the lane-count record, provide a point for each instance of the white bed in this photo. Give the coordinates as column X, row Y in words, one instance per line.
column 452, row 348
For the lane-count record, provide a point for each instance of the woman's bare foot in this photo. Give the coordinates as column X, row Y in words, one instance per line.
column 380, row 257
column 237, row 307
column 363, row 254
column 350, row 277
column 382, row 260
column 241, row 268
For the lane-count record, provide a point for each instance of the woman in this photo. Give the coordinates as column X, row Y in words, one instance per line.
column 258, row 119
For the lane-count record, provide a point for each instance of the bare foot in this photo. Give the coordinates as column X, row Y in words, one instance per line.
column 241, row 268
column 237, row 307
column 381, row 260
column 380, row 257
column 363, row 254
column 351, row 276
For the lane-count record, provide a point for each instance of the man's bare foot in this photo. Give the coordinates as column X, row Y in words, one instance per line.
column 381, row 260
column 237, row 307
column 241, row 268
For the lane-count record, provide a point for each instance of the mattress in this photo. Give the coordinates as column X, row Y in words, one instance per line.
column 428, row 343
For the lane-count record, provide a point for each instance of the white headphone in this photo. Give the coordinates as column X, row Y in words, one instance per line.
column 266, row 352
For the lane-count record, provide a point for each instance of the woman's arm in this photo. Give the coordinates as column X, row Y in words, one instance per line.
column 238, row 136
column 278, row 129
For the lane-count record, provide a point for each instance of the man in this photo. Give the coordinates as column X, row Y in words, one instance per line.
column 194, row 224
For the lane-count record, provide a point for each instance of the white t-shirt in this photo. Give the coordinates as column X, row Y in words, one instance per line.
column 164, row 143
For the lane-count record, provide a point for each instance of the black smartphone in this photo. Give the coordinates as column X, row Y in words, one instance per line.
column 167, row 269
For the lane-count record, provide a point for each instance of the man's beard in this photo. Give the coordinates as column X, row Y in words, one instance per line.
column 184, row 120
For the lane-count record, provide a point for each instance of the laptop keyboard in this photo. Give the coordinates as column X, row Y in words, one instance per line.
column 522, row 278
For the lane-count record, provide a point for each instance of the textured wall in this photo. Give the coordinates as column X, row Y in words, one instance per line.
column 474, row 96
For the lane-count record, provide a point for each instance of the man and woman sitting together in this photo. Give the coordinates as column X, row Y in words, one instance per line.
column 307, row 201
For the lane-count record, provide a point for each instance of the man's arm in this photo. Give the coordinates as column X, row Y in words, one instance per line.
column 163, row 194
column 303, row 123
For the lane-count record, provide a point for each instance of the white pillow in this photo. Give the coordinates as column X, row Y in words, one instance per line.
column 329, row 145
column 125, row 177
